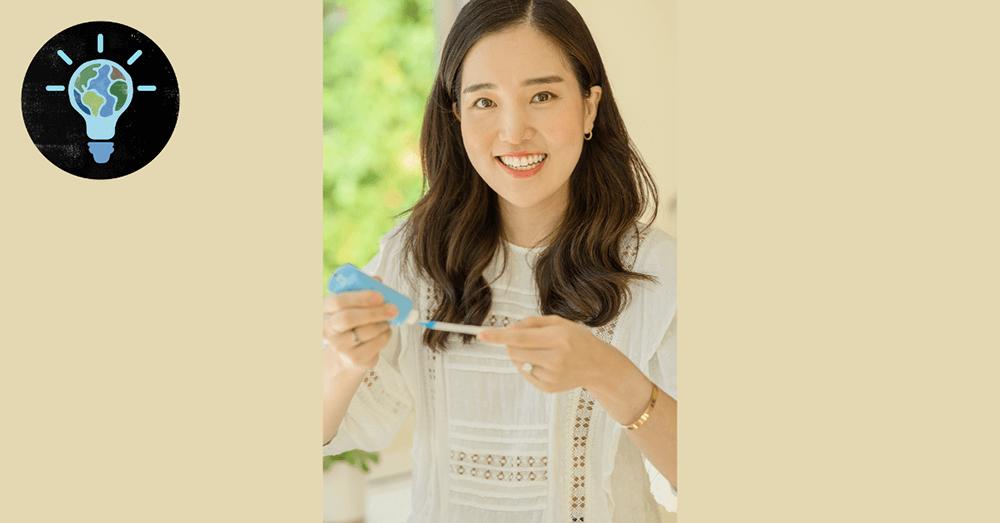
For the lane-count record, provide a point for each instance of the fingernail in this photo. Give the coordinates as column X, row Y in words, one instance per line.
column 391, row 310
column 376, row 297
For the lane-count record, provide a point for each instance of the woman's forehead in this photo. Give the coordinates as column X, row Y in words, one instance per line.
column 507, row 58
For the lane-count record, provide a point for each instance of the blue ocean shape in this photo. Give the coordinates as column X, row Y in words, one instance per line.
column 79, row 102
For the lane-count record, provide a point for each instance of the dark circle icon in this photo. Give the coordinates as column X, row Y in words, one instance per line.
column 100, row 100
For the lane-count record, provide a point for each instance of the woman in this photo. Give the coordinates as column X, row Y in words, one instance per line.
column 530, row 226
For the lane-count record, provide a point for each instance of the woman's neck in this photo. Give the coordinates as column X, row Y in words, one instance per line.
column 531, row 226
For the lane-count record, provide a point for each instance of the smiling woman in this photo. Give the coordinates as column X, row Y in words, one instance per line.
column 526, row 119
column 530, row 223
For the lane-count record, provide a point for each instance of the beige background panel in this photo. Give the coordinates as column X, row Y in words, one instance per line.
column 161, row 331
column 838, row 276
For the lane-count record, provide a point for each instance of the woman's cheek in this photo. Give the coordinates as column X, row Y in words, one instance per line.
column 477, row 142
column 472, row 149
column 568, row 146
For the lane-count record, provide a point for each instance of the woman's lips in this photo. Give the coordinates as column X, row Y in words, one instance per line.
column 516, row 173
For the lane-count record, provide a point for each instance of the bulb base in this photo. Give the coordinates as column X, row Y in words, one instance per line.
column 101, row 151
column 101, row 128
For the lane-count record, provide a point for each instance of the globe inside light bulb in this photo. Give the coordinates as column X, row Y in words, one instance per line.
column 100, row 90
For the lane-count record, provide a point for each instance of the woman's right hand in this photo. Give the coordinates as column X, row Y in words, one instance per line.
column 356, row 328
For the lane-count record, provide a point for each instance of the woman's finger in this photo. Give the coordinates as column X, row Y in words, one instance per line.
column 508, row 336
column 345, row 340
column 347, row 319
column 533, row 354
column 345, row 300
column 523, row 337
column 539, row 376
column 366, row 354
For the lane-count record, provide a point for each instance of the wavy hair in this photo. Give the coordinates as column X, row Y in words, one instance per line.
column 454, row 230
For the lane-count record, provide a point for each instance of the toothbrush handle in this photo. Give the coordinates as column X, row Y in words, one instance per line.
column 453, row 327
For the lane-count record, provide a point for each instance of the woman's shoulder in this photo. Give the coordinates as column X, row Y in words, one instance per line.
column 657, row 257
column 395, row 236
column 388, row 261
column 655, row 251
column 393, row 244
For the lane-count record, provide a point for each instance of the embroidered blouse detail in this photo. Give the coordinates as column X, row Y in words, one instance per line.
column 488, row 446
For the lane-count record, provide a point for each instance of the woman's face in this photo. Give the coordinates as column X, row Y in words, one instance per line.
column 523, row 116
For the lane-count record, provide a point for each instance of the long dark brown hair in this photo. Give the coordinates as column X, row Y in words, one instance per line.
column 454, row 230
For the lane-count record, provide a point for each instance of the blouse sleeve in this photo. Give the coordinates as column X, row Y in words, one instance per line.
column 660, row 354
column 663, row 373
column 663, row 363
column 383, row 400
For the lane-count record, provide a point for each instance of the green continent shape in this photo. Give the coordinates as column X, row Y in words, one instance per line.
column 94, row 101
column 120, row 90
column 85, row 76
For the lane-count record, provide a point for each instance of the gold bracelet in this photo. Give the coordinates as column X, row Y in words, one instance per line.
column 649, row 408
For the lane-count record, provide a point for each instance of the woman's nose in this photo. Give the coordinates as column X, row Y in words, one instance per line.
column 514, row 126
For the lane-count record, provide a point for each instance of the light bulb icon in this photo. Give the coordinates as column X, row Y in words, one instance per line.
column 100, row 91
column 100, row 100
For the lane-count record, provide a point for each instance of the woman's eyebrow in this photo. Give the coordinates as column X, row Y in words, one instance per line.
column 544, row 80
column 531, row 81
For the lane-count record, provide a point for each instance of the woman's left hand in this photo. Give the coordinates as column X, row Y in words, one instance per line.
column 564, row 354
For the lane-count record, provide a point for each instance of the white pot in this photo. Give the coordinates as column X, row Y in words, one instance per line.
column 343, row 494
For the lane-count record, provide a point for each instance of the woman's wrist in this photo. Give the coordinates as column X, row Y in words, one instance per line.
column 621, row 388
column 336, row 370
column 340, row 383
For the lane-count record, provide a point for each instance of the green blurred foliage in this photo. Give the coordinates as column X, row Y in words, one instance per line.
column 378, row 66
column 355, row 458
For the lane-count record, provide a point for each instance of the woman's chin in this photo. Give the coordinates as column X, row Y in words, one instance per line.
column 526, row 199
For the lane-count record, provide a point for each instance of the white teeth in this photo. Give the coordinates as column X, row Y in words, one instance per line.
column 522, row 162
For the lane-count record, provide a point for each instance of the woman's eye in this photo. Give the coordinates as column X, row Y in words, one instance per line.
column 483, row 103
column 543, row 96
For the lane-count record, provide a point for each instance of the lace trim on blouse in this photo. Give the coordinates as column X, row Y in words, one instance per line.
column 585, row 405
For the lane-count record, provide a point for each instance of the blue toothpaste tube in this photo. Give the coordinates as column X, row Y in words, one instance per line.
column 350, row 278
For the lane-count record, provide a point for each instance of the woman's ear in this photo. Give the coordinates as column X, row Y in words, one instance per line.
column 454, row 111
column 590, row 104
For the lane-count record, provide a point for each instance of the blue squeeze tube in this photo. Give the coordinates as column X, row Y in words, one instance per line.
column 350, row 278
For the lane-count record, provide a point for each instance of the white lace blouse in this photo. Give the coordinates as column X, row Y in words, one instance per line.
column 490, row 448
